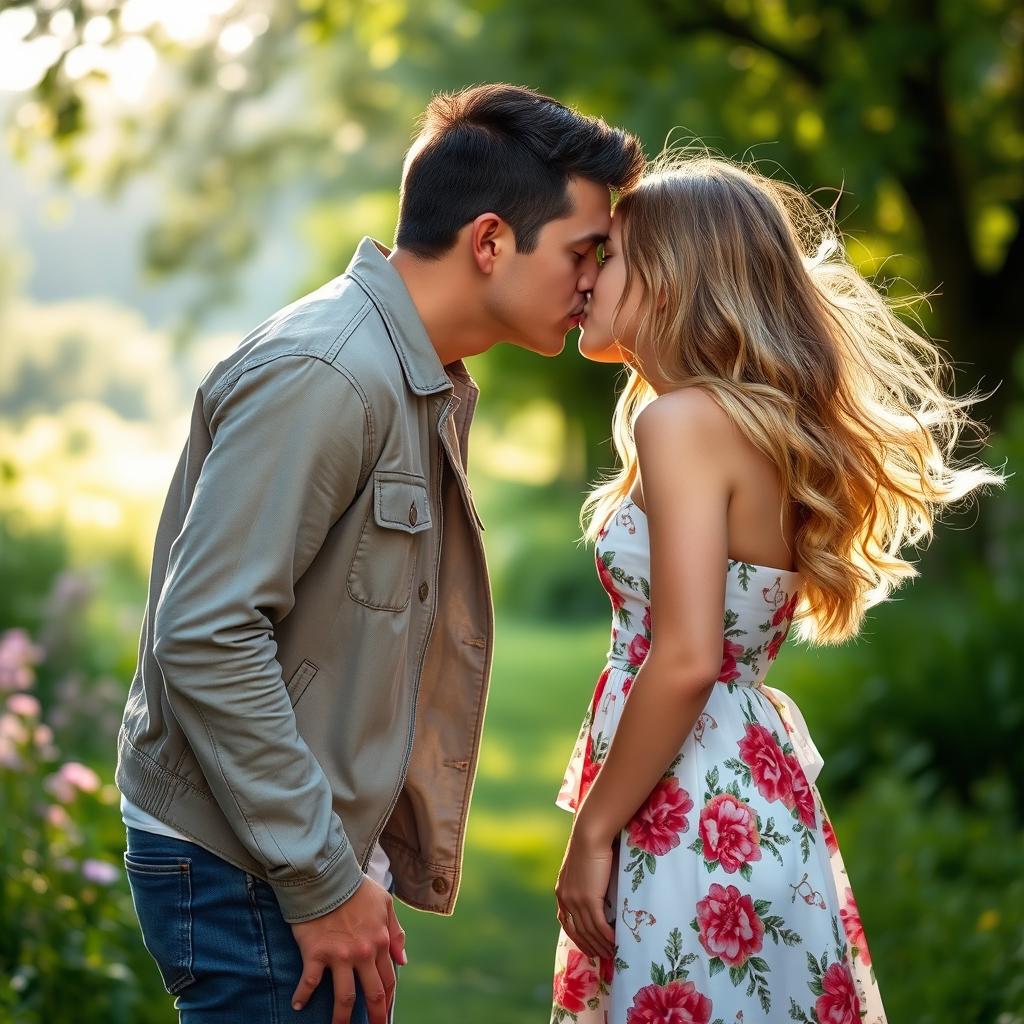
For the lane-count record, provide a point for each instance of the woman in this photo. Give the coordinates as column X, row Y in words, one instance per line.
column 782, row 437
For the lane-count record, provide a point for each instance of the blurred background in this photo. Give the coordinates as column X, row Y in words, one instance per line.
column 173, row 171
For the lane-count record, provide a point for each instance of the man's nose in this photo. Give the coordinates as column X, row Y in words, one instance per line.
column 588, row 276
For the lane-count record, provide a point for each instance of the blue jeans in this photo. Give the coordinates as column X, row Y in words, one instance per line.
column 219, row 939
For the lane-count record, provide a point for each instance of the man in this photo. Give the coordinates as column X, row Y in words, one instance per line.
column 319, row 593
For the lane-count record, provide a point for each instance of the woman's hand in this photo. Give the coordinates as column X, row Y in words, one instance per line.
column 580, row 893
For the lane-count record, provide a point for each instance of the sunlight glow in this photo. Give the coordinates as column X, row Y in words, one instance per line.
column 23, row 64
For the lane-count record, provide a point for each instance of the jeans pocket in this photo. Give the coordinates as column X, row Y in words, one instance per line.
column 162, row 893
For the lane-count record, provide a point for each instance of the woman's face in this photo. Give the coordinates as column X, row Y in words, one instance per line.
column 597, row 340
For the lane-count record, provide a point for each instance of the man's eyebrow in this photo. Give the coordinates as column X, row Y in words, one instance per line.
column 594, row 238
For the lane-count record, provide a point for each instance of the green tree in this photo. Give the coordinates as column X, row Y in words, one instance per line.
column 912, row 110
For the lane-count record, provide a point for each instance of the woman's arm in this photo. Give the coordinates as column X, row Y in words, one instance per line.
column 681, row 443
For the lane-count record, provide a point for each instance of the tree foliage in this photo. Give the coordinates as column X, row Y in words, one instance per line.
column 913, row 112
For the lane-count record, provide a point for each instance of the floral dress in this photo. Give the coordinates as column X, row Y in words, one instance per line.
column 729, row 898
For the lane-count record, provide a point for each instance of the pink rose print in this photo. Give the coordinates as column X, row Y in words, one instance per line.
column 729, row 926
column 775, row 645
column 803, row 797
column 838, row 1004
column 730, row 652
column 656, row 826
column 604, row 574
column 785, row 611
column 728, row 830
column 576, row 984
column 590, row 772
column 831, row 843
column 678, row 1002
column 854, row 928
column 647, row 619
column 638, row 649
column 602, row 682
column 768, row 768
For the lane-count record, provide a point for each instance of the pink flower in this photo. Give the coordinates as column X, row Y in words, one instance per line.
column 838, row 1004
column 647, row 620
column 638, row 648
column 18, row 656
column 785, row 611
column 591, row 770
column 768, row 768
column 602, row 682
column 656, row 826
column 730, row 652
column 678, row 1002
column 775, row 645
column 57, row 816
column 576, row 984
column 854, row 928
column 71, row 779
column 728, row 830
column 24, row 704
column 99, row 871
column 803, row 795
column 729, row 926
column 605, row 576
column 831, row 843
column 12, row 735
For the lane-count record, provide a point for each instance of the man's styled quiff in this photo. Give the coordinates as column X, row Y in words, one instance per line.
column 509, row 151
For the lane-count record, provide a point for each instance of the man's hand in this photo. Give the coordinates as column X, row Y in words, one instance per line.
column 362, row 937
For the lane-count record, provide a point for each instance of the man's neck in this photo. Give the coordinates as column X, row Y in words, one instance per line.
column 440, row 293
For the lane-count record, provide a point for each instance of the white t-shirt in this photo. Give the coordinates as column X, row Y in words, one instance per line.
column 379, row 868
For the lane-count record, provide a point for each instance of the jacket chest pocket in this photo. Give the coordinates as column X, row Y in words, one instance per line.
column 383, row 567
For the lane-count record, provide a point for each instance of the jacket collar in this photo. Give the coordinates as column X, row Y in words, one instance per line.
column 423, row 370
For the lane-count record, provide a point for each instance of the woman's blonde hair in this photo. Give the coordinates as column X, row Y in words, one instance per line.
column 809, row 360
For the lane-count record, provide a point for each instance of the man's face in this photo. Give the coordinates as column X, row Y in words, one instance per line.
column 537, row 297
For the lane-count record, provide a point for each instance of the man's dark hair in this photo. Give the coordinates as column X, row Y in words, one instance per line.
column 507, row 150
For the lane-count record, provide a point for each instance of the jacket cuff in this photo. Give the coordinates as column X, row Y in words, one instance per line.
column 313, row 897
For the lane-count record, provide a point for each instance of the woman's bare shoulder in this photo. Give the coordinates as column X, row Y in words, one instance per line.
column 685, row 415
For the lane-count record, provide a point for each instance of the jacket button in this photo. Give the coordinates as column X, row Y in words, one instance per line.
column 439, row 885
column 424, row 590
column 413, row 514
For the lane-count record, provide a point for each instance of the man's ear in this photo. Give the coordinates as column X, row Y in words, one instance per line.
column 489, row 238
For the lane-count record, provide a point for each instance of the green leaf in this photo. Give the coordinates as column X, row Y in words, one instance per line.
column 813, row 967
column 715, row 966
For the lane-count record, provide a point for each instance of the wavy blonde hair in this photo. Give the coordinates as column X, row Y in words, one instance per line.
column 811, row 363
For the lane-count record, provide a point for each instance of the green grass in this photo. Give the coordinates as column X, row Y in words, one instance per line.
column 492, row 960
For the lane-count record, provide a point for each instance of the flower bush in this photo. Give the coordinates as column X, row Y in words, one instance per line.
column 69, row 944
